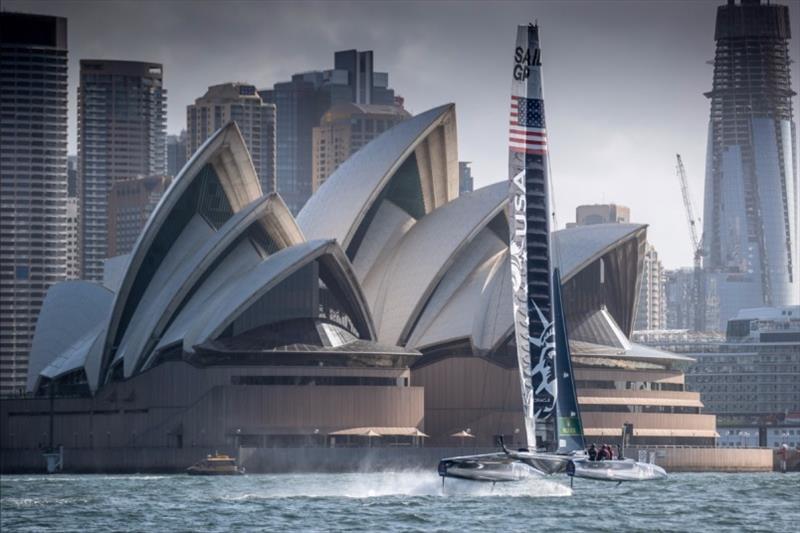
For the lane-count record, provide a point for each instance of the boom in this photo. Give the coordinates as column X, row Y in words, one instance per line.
column 687, row 203
column 698, row 283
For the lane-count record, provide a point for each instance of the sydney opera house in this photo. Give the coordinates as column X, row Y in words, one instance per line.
column 380, row 316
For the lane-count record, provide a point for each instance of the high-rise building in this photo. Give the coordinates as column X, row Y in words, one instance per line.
column 33, row 180
column 751, row 197
column 586, row 215
column 130, row 203
column 241, row 103
column 303, row 100
column 651, row 310
column 121, row 136
column 678, row 290
column 72, row 176
column 177, row 153
column 73, row 242
column 465, row 181
column 343, row 130
column 679, row 302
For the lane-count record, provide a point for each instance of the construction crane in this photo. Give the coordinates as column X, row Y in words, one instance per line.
column 698, row 280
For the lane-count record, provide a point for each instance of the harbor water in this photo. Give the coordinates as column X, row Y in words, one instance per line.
column 400, row 501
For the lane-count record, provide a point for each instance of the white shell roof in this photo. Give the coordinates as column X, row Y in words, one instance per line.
column 242, row 258
column 240, row 292
column 424, row 255
column 73, row 357
column 69, row 312
column 336, row 210
column 164, row 281
column 475, row 310
column 226, row 151
column 158, row 306
column 574, row 248
column 480, row 306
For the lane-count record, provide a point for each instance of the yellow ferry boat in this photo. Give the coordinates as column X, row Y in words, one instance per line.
column 218, row 464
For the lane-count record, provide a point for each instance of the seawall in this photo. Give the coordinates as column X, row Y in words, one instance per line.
column 310, row 459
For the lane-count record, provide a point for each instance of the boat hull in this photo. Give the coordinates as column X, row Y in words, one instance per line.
column 198, row 472
column 503, row 466
column 495, row 468
column 616, row 470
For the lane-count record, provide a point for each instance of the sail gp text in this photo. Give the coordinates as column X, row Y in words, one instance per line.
column 523, row 60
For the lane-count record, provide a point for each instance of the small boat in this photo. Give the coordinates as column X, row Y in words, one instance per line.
column 218, row 464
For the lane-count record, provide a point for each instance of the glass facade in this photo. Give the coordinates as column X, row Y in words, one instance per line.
column 751, row 205
column 121, row 136
column 300, row 104
column 33, row 180
column 238, row 102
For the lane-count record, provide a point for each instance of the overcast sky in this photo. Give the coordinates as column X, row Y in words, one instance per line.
column 623, row 79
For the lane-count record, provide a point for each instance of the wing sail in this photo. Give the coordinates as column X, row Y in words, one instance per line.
column 530, row 235
column 568, row 421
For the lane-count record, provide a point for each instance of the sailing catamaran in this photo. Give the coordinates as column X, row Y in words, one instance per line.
column 545, row 367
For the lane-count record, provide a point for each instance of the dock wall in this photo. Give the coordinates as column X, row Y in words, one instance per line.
column 311, row 459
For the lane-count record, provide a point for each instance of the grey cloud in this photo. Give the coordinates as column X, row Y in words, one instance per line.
column 623, row 79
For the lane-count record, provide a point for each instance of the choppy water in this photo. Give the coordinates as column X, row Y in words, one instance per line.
column 403, row 501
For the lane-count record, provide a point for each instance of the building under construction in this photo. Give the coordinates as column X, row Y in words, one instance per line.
column 751, row 221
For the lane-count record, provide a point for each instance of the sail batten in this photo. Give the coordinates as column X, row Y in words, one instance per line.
column 530, row 236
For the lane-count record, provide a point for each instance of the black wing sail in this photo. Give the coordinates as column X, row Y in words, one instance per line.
column 530, row 243
column 568, row 418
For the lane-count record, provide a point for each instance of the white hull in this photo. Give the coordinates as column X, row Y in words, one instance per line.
column 617, row 470
column 515, row 466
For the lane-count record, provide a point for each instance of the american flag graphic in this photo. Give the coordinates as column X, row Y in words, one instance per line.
column 527, row 129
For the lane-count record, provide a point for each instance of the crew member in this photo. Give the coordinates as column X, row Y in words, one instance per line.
column 592, row 452
column 604, row 453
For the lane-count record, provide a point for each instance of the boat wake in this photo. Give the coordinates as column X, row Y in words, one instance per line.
column 389, row 484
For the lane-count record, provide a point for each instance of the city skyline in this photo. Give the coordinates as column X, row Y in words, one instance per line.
column 660, row 111
column 270, row 255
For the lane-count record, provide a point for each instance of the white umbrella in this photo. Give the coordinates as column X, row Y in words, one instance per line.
column 369, row 434
column 464, row 433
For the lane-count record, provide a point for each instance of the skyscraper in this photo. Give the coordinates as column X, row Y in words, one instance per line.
column 130, row 203
column 680, row 310
column 72, row 176
column 651, row 310
column 465, row 181
column 586, row 215
column 343, row 130
column 678, row 287
column 121, row 135
column 241, row 103
column 177, row 153
column 750, row 213
column 33, row 179
column 73, row 242
column 303, row 100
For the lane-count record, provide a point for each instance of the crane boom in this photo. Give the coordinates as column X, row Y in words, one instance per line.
column 687, row 202
column 698, row 282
